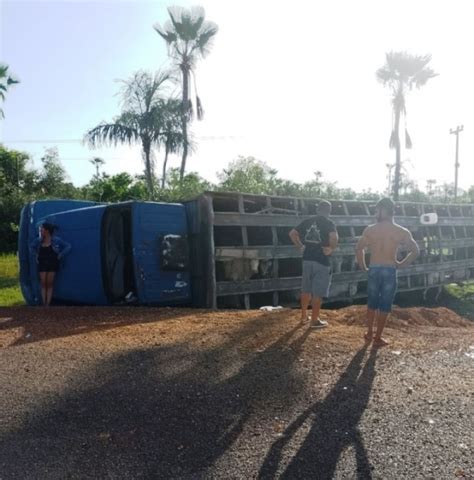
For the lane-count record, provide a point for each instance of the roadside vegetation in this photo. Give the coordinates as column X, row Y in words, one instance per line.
column 460, row 298
column 10, row 294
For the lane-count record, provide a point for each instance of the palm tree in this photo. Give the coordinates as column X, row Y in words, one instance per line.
column 173, row 138
column 97, row 162
column 5, row 81
column 401, row 72
column 188, row 36
column 141, row 121
column 430, row 186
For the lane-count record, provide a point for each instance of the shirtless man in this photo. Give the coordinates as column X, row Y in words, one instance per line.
column 383, row 240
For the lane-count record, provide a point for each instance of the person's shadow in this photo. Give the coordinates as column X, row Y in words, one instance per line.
column 170, row 410
column 334, row 427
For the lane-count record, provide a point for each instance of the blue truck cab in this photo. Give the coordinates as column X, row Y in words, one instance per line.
column 129, row 252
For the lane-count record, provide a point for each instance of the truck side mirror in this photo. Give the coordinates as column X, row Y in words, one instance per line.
column 174, row 252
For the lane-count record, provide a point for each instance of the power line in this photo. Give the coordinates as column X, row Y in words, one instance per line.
column 86, row 159
column 44, row 141
column 74, row 140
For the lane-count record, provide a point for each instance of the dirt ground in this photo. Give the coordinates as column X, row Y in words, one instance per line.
column 91, row 392
column 110, row 327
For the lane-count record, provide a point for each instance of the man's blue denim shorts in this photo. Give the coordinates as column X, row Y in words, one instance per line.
column 381, row 287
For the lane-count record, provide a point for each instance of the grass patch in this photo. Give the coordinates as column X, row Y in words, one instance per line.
column 462, row 291
column 460, row 298
column 10, row 293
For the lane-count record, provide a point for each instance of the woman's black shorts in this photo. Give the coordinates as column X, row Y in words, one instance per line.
column 47, row 260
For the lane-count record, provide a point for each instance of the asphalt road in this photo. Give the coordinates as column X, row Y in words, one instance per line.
column 235, row 397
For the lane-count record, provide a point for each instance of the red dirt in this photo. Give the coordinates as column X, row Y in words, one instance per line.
column 115, row 328
column 403, row 317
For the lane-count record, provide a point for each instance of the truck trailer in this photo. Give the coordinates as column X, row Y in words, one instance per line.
column 227, row 250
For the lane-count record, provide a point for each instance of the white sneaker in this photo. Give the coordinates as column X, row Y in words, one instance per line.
column 319, row 323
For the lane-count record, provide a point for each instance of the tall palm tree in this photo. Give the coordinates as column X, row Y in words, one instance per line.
column 188, row 36
column 97, row 162
column 5, row 81
column 141, row 121
column 401, row 72
column 173, row 138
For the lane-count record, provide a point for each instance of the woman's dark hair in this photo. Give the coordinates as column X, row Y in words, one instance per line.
column 49, row 227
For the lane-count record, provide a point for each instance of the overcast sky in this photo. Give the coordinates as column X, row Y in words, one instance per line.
column 291, row 83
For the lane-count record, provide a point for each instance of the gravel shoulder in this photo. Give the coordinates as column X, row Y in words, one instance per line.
column 187, row 394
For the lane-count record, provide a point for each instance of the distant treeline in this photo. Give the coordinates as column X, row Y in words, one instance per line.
column 20, row 183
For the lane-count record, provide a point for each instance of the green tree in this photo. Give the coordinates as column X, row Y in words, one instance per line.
column 14, row 170
column 248, row 175
column 188, row 36
column 287, row 188
column 364, row 195
column 116, row 188
column 53, row 180
column 445, row 192
column 20, row 184
column 141, row 121
column 17, row 185
column 401, row 73
column 470, row 194
column 315, row 187
column 179, row 189
column 6, row 80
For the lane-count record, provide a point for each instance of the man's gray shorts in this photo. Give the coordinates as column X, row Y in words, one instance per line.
column 316, row 279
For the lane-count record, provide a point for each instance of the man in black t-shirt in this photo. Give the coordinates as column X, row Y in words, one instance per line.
column 316, row 238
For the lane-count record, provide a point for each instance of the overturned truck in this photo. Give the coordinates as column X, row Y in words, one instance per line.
column 227, row 250
column 250, row 260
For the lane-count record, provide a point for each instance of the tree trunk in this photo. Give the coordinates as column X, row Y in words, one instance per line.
column 184, row 120
column 165, row 161
column 396, row 177
column 148, row 168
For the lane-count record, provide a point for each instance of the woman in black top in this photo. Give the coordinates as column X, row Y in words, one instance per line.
column 49, row 250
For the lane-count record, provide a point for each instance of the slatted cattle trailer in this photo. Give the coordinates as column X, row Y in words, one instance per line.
column 242, row 256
